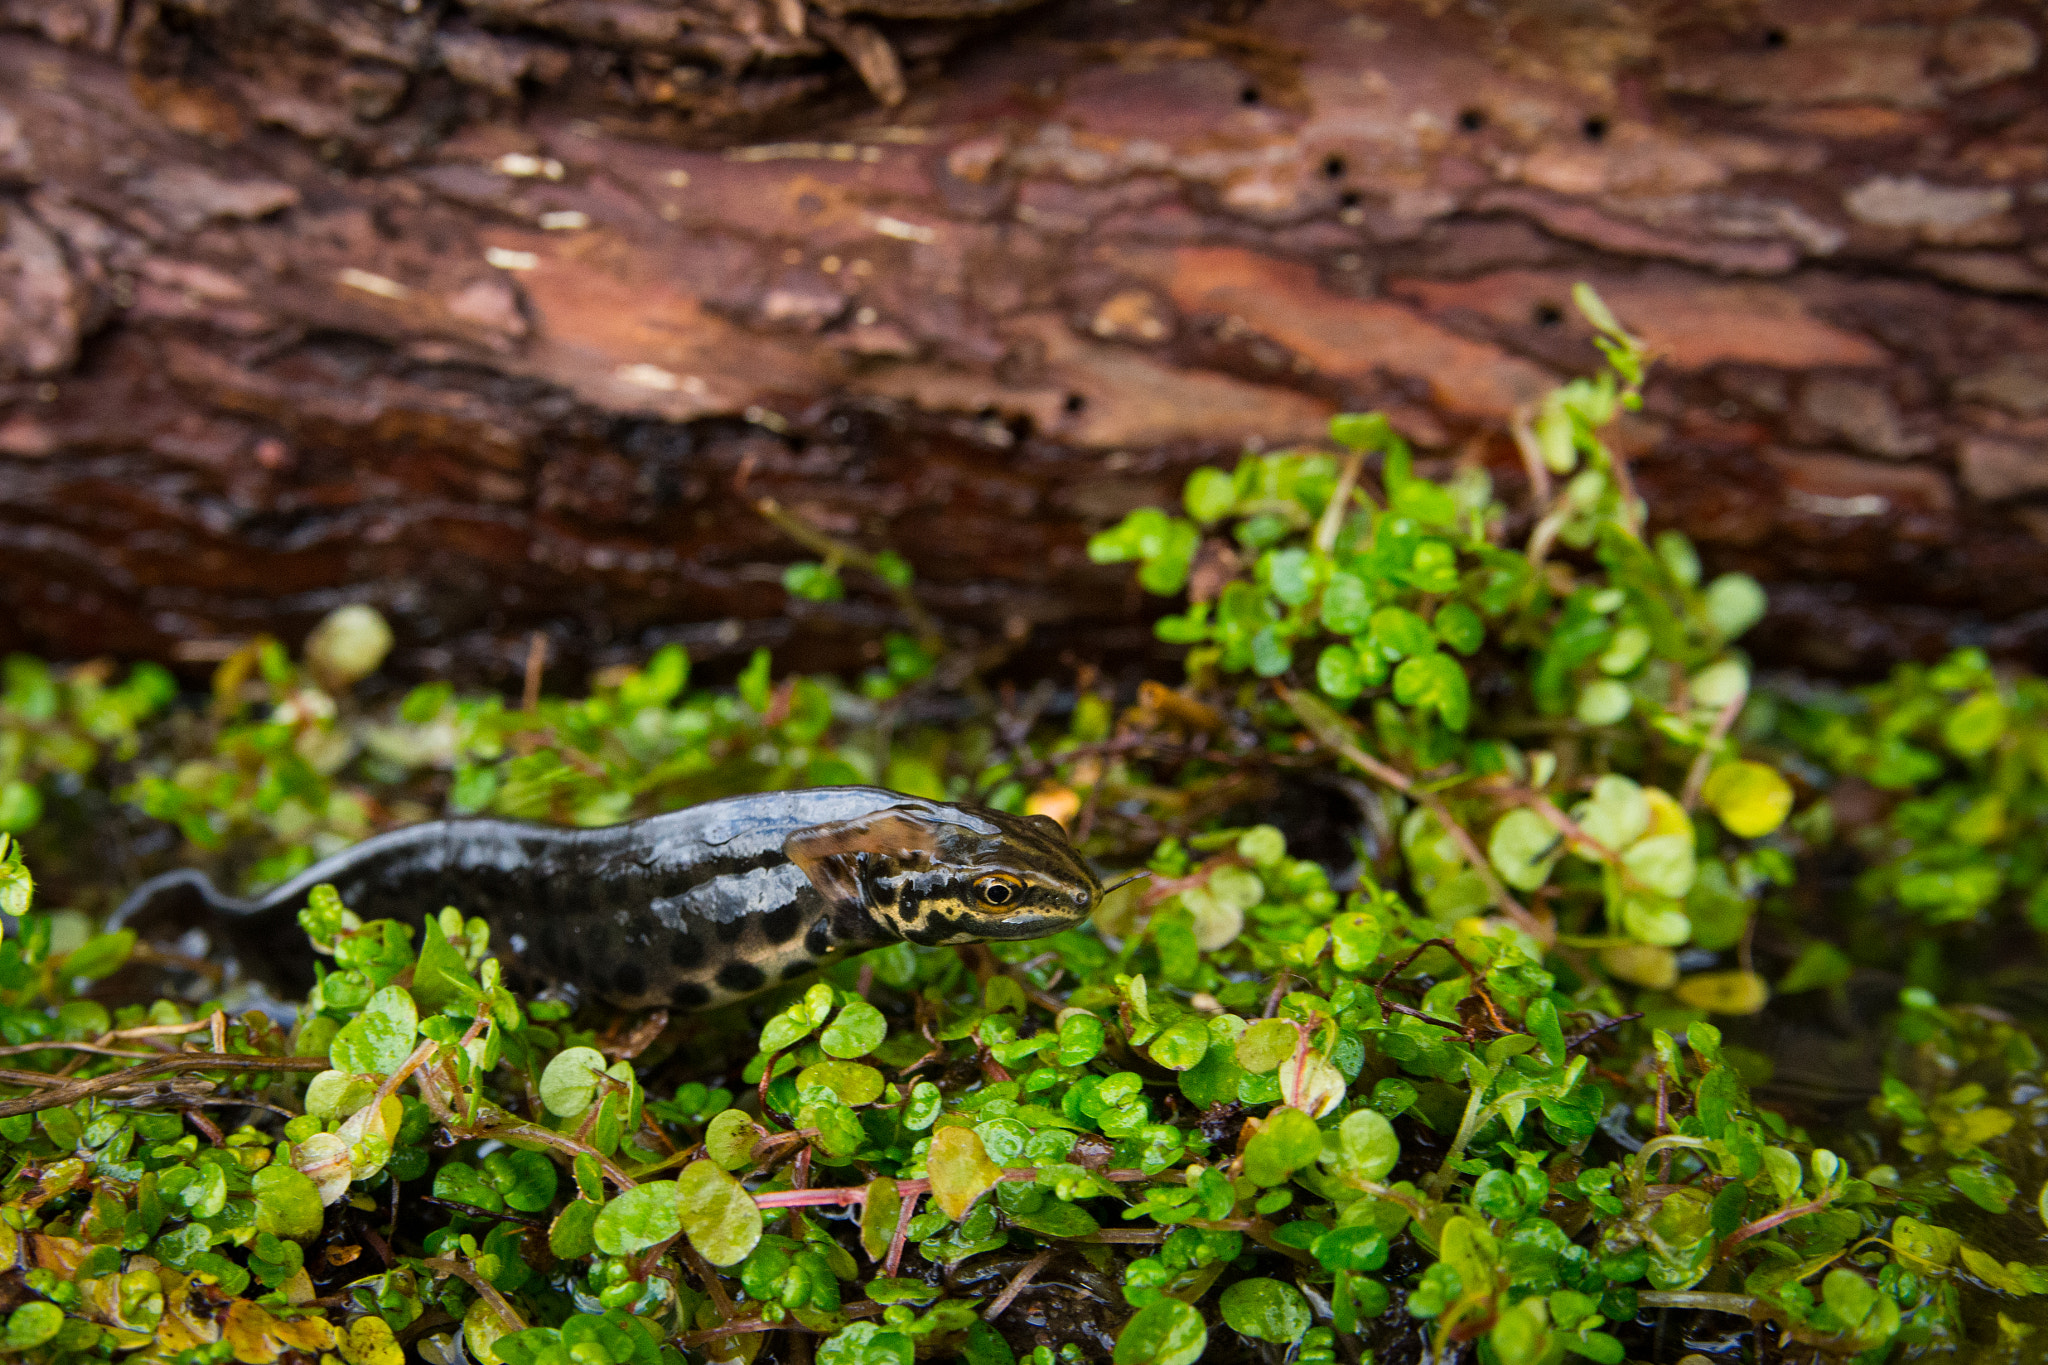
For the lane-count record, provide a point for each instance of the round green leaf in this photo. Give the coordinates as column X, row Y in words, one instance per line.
column 1435, row 682
column 1460, row 627
column 960, row 1170
column 1663, row 863
column 1165, row 1332
column 1183, row 1044
column 1266, row 1044
column 525, row 1179
column 461, row 1183
column 1080, row 1038
column 572, row 1235
column 1751, row 798
column 1347, row 604
column 1604, row 702
column 859, row 1030
column 1360, row 1248
column 644, row 1215
column 718, row 1216
column 287, row 1203
column 32, row 1324
column 1270, row 1310
column 377, row 1041
column 1400, row 634
column 1286, row 1141
column 1734, row 604
column 1523, row 848
column 1972, row 728
column 1618, row 814
column 1210, row 495
column 1732, row 992
column 1339, row 674
column 731, row 1138
column 1368, row 1145
column 851, row 1082
column 570, row 1081
column 21, row 806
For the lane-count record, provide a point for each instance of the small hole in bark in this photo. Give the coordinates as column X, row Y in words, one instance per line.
column 1350, row 199
column 1333, row 167
column 1248, row 95
column 1075, row 402
column 1472, row 120
column 1775, row 38
column 1594, row 128
column 1548, row 315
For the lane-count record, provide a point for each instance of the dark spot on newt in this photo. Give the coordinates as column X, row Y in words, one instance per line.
column 819, row 941
column 798, row 968
column 741, row 976
column 780, row 925
column 630, row 979
column 689, row 995
column 729, row 931
column 686, row 952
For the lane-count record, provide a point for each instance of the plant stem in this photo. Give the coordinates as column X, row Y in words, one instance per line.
column 838, row 551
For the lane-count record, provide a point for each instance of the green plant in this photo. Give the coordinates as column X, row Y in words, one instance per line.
column 1495, row 1088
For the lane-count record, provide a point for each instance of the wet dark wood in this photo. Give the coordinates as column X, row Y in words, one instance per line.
column 500, row 315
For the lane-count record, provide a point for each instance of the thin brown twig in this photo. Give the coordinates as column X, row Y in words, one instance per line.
column 1017, row 1283
column 1771, row 1220
column 536, row 664
column 1331, row 523
column 503, row 1215
column 62, row 1092
column 17, row 1049
column 485, row 1290
column 1703, row 764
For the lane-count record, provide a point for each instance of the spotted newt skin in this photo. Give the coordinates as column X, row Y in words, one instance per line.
column 686, row 910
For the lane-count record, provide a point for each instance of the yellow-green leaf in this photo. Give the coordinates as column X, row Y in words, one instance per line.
column 960, row 1170
column 1751, row 798
column 1724, row 992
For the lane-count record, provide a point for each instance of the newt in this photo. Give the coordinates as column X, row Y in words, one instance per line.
column 686, row 910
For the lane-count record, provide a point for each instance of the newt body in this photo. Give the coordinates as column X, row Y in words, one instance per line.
column 685, row 910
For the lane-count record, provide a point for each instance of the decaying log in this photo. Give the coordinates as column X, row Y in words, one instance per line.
column 501, row 314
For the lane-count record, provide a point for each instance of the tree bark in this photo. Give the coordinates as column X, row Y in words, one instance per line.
column 501, row 315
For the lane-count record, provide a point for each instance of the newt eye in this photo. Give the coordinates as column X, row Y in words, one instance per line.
column 998, row 890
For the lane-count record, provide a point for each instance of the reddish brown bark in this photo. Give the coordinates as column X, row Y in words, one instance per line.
column 501, row 314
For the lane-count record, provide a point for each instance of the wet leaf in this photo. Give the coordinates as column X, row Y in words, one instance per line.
column 377, row 1041
column 1523, row 848
column 1751, row 799
column 1724, row 992
column 1286, row 1141
column 573, row 1234
column 859, row 1030
column 1270, row 1310
column 878, row 1217
column 323, row 1158
column 636, row 1219
column 288, row 1204
column 570, row 1082
column 370, row 1341
column 718, row 1215
column 1368, row 1145
column 853, row 1083
column 731, row 1138
column 32, row 1324
column 1167, row 1332
column 960, row 1170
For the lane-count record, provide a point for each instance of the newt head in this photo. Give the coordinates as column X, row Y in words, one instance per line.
column 934, row 873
